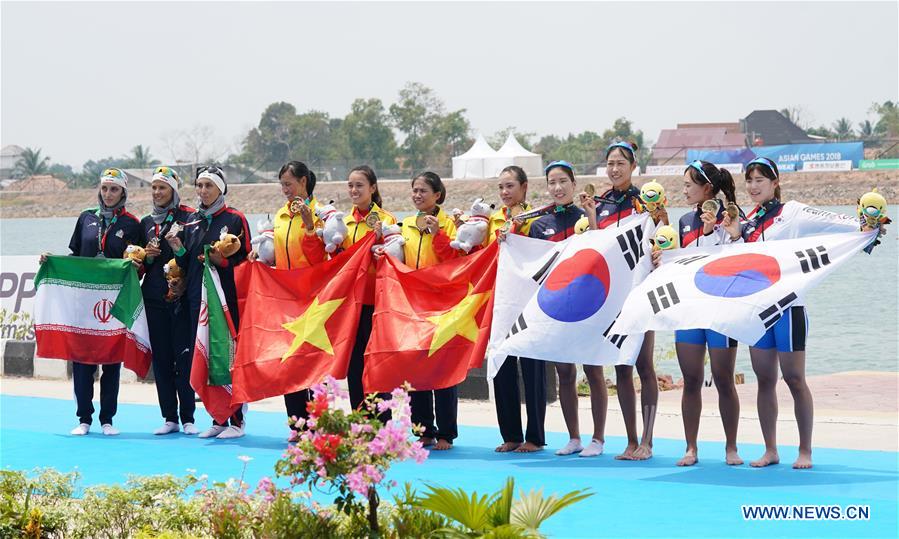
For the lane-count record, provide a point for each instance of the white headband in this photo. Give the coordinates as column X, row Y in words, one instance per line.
column 170, row 180
column 214, row 178
column 121, row 181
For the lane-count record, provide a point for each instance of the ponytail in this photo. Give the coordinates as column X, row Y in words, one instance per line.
column 726, row 185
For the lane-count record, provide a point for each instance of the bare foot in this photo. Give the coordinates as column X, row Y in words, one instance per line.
column 426, row 441
column 732, row 458
column 643, row 452
column 628, row 453
column 528, row 447
column 507, row 447
column 803, row 461
column 770, row 457
column 689, row 458
column 442, row 445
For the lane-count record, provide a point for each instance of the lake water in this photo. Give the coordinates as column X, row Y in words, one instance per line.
column 852, row 314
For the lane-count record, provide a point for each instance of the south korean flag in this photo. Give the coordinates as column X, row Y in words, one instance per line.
column 556, row 301
column 739, row 290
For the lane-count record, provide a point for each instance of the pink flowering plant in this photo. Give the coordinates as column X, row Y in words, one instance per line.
column 348, row 454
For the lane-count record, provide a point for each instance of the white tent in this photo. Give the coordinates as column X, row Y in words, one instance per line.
column 472, row 164
column 513, row 153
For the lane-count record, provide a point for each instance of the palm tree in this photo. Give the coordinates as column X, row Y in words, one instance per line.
column 842, row 128
column 31, row 164
column 141, row 158
column 865, row 130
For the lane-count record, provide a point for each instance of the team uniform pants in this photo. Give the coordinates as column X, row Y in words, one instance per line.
column 508, row 399
column 169, row 326
column 440, row 404
column 83, row 382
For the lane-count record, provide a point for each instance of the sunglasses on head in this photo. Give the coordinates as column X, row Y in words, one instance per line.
column 166, row 171
column 763, row 161
column 212, row 169
column 113, row 172
column 698, row 166
column 560, row 163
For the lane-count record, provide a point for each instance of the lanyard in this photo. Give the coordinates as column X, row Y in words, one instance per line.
column 103, row 231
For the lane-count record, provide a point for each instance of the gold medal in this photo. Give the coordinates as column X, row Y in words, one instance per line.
column 516, row 209
column 732, row 210
column 296, row 205
column 175, row 229
column 590, row 189
column 421, row 221
column 710, row 206
column 372, row 219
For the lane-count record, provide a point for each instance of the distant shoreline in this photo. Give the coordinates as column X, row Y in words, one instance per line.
column 815, row 188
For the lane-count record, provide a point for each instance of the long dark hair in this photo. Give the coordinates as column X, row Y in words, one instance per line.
column 369, row 174
column 300, row 170
column 434, row 181
column 719, row 178
column 770, row 171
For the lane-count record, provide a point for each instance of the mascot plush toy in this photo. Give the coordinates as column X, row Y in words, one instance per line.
column 227, row 245
column 135, row 252
column 652, row 196
column 581, row 225
column 872, row 209
column 393, row 242
column 174, row 277
column 264, row 242
column 472, row 232
column 334, row 231
column 665, row 238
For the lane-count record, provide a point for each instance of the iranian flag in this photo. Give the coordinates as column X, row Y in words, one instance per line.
column 210, row 374
column 91, row 310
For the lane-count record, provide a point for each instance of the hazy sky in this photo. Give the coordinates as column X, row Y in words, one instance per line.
column 89, row 80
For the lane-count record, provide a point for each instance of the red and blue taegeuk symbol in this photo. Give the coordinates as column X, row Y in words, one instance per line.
column 577, row 288
column 738, row 275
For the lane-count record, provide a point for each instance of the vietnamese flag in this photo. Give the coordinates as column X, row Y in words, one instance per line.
column 432, row 324
column 299, row 325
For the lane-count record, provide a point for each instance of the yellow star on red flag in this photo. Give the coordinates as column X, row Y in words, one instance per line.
column 310, row 327
column 458, row 321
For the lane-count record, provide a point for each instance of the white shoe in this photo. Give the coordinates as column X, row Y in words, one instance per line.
column 231, row 433
column 190, row 429
column 109, row 430
column 592, row 450
column 167, row 428
column 80, row 430
column 212, row 432
column 573, row 446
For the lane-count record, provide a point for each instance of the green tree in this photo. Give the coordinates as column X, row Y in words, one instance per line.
column 431, row 135
column 140, row 158
column 368, row 134
column 31, row 163
column 547, row 145
column 497, row 139
column 62, row 172
column 888, row 123
column 865, row 130
column 268, row 145
column 842, row 128
column 821, row 131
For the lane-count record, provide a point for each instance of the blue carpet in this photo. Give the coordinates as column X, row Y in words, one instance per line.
column 652, row 498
